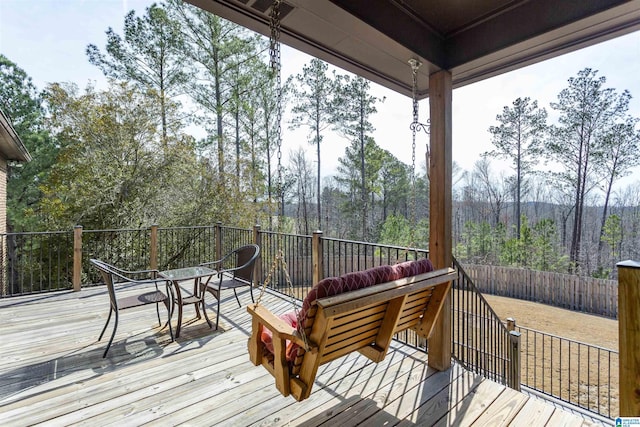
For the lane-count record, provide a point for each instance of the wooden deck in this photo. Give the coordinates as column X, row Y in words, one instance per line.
column 52, row 372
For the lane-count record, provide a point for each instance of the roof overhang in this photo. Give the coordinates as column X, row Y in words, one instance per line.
column 474, row 39
column 11, row 147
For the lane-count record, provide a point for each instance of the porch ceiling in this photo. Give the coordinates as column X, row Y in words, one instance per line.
column 474, row 39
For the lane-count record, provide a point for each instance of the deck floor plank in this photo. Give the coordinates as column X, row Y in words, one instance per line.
column 53, row 373
column 354, row 378
column 436, row 409
column 535, row 412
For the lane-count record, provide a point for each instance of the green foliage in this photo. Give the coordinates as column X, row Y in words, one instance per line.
column 19, row 98
column 478, row 243
column 612, row 234
column 360, row 180
column 223, row 56
column 150, row 55
column 21, row 102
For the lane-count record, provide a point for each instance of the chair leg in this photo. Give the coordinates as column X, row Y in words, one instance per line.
column 237, row 299
column 169, row 312
column 251, row 293
column 204, row 311
column 113, row 334
column 218, row 313
column 158, row 313
column 179, row 320
column 106, row 324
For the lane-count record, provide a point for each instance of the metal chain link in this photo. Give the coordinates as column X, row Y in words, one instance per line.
column 279, row 261
column 415, row 126
column 274, row 53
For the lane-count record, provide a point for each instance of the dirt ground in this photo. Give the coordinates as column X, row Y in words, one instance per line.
column 595, row 330
column 594, row 384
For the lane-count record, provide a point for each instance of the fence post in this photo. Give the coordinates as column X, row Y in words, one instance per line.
column 511, row 324
column 514, row 357
column 257, row 239
column 77, row 257
column 629, row 337
column 217, row 231
column 153, row 250
column 316, row 257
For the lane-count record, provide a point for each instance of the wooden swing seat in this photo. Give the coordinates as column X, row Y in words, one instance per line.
column 356, row 312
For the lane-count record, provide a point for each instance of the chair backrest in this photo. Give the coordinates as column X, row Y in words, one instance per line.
column 107, row 272
column 246, row 257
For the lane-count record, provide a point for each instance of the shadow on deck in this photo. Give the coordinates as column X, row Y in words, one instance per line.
column 53, row 372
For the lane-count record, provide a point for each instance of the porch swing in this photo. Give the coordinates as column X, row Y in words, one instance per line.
column 359, row 311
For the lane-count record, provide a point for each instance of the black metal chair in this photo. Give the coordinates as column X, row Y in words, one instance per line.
column 112, row 275
column 235, row 270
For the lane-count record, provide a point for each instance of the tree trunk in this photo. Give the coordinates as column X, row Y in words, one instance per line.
column 318, row 189
column 602, row 222
column 219, row 133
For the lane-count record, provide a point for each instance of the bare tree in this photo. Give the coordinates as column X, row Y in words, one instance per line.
column 518, row 138
column 586, row 108
column 617, row 155
column 301, row 170
column 313, row 107
column 495, row 189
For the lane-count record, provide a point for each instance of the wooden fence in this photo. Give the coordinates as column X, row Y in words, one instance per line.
column 585, row 294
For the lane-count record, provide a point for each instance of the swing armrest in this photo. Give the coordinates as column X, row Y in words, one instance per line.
column 278, row 327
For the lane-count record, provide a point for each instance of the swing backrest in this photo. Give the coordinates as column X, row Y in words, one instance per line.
column 350, row 282
column 356, row 312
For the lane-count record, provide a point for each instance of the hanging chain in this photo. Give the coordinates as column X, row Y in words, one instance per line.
column 415, row 65
column 274, row 53
column 415, row 127
column 279, row 261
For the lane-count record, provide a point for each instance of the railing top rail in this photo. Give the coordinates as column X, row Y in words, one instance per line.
column 186, row 227
column 566, row 339
column 229, row 227
column 113, row 230
column 34, row 233
column 286, row 234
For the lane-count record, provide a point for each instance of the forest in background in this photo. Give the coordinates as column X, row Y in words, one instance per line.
column 125, row 156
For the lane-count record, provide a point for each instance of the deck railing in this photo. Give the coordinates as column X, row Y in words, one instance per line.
column 480, row 341
column 36, row 262
column 575, row 372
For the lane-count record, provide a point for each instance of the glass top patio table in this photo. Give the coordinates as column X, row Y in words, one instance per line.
column 196, row 298
column 187, row 273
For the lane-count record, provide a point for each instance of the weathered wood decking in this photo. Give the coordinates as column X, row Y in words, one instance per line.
column 52, row 372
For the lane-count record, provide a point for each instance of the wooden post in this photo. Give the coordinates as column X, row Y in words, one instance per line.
column 257, row 239
column 218, row 235
column 153, row 249
column 77, row 257
column 440, row 207
column 511, row 324
column 514, row 357
column 629, row 337
column 316, row 257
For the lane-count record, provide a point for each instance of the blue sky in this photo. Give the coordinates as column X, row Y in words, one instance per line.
column 47, row 38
